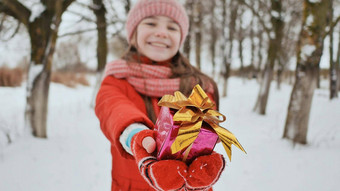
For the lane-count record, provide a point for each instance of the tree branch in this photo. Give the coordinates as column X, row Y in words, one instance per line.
column 332, row 25
column 16, row 10
column 90, row 30
column 264, row 6
column 336, row 21
column 255, row 12
column 15, row 31
column 7, row 11
column 83, row 17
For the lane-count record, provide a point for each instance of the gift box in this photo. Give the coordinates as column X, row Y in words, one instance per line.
column 189, row 127
column 167, row 131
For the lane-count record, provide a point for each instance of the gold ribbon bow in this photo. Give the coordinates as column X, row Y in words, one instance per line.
column 191, row 113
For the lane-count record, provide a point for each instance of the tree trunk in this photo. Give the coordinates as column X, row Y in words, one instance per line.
column 99, row 10
column 273, row 51
column 338, row 75
column 310, row 47
column 296, row 126
column 279, row 74
column 262, row 99
column 333, row 78
column 223, row 47
column 198, row 32
column 259, row 54
column 240, row 46
column 43, row 33
column 252, row 45
column 232, row 26
column 213, row 36
column 333, row 87
column 187, row 43
column 337, row 66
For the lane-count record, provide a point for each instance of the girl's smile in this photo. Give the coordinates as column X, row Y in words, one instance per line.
column 158, row 44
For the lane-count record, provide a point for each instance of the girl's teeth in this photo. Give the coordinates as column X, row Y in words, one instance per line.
column 159, row 44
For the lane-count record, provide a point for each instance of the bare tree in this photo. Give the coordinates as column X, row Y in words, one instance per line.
column 187, row 44
column 275, row 38
column 333, row 88
column 260, row 56
column 337, row 65
column 223, row 44
column 213, row 35
column 43, row 32
column 198, row 31
column 316, row 18
column 100, row 10
column 291, row 29
column 252, row 45
column 227, row 57
column 241, row 33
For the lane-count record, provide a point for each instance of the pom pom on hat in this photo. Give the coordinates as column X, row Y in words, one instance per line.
column 146, row 8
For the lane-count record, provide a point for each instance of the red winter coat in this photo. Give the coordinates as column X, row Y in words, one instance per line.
column 117, row 106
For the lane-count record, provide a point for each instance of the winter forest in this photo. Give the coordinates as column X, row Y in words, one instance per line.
column 276, row 62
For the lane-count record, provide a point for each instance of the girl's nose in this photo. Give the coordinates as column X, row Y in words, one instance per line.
column 161, row 33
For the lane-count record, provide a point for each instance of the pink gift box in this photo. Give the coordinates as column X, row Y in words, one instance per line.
column 167, row 131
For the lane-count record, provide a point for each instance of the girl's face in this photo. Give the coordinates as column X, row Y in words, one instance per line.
column 158, row 38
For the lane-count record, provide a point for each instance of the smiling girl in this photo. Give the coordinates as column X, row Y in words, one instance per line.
column 126, row 104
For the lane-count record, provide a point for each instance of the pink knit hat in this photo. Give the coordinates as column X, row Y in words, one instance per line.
column 147, row 8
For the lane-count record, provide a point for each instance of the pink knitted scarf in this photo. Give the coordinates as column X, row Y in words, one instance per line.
column 150, row 80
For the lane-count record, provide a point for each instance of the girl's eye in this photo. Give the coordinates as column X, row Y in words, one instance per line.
column 173, row 28
column 150, row 24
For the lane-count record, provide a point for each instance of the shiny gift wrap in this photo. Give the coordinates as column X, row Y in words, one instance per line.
column 167, row 132
column 191, row 127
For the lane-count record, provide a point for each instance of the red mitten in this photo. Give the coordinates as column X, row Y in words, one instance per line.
column 161, row 175
column 204, row 172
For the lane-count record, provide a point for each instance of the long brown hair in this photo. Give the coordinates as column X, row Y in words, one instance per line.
column 181, row 68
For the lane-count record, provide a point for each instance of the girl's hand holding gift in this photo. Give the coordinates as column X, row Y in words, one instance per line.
column 201, row 174
column 204, row 171
column 161, row 175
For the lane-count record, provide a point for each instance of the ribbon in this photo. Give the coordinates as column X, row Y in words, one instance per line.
column 191, row 114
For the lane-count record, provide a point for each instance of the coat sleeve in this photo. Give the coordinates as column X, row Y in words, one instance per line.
column 117, row 106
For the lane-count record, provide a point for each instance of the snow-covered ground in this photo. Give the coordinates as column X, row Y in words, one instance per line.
column 76, row 155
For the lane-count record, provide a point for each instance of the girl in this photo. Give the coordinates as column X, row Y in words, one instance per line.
column 126, row 104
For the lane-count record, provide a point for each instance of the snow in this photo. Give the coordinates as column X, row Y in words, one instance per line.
column 33, row 72
column 315, row 1
column 309, row 20
column 76, row 155
column 306, row 51
column 36, row 11
column 275, row 14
